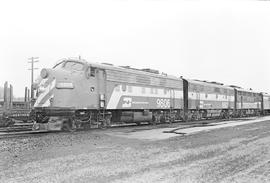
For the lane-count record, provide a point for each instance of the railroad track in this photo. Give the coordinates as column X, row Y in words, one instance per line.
column 26, row 129
column 15, row 129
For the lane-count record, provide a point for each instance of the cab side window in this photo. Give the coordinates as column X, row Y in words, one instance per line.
column 124, row 87
column 92, row 72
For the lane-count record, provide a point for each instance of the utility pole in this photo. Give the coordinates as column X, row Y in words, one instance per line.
column 33, row 60
column 10, row 96
column 6, row 95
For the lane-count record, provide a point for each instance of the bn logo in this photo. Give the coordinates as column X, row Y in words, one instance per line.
column 127, row 101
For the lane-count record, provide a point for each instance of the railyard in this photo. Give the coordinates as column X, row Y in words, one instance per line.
column 228, row 151
column 135, row 125
column 135, row 91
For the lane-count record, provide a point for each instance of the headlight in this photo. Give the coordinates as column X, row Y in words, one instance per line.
column 64, row 85
column 44, row 73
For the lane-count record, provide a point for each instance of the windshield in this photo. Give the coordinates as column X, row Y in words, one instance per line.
column 58, row 64
column 71, row 65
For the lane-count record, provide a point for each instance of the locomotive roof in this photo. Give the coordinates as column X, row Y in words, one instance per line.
column 220, row 85
column 265, row 94
column 246, row 90
column 207, row 83
column 131, row 70
column 140, row 71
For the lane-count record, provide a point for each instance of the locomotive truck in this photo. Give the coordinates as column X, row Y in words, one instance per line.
column 78, row 94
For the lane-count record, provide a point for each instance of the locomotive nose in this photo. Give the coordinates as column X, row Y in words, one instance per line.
column 45, row 88
column 54, row 82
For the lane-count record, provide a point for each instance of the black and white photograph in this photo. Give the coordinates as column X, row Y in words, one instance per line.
column 135, row 91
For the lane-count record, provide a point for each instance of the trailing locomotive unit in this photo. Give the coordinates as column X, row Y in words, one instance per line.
column 247, row 102
column 208, row 99
column 75, row 93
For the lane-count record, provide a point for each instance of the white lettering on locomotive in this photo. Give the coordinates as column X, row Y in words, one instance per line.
column 127, row 101
column 163, row 103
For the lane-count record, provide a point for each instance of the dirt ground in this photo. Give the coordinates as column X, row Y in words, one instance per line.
column 231, row 154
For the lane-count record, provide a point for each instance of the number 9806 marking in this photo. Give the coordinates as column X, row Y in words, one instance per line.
column 163, row 103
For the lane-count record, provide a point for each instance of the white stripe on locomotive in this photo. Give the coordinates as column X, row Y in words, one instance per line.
column 211, row 97
column 137, row 92
column 48, row 88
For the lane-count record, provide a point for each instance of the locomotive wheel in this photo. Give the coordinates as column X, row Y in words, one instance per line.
column 138, row 123
column 5, row 122
column 69, row 126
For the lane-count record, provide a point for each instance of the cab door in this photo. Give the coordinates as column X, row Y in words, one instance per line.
column 101, row 87
column 241, row 101
column 197, row 102
column 172, row 99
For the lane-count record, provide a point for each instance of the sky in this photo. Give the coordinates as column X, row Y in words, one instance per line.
column 224, row 41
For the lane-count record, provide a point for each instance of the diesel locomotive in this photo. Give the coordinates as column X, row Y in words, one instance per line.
column 78, row 94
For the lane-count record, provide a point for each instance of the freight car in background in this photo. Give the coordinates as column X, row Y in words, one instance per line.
column 77, row 94
column 14, row 110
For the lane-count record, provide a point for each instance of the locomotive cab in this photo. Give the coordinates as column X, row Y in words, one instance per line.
column 60, row 84
column 69, row 86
